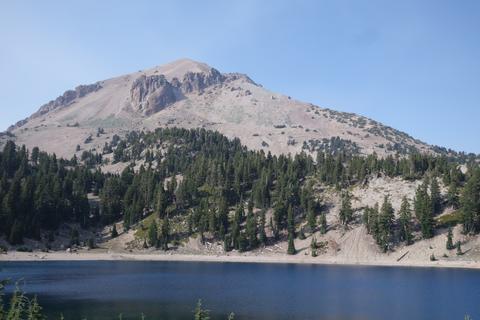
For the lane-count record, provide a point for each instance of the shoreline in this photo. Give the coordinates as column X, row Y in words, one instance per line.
column 233, row 258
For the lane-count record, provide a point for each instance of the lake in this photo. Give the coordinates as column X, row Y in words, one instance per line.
column 169, row 290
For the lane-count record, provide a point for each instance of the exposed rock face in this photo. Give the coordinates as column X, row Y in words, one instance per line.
column 67, row 97
column 62, row 101
column 194, row 81
column 153, row 93
column 18, row 124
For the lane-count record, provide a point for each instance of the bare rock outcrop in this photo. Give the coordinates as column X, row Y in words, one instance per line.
column 150, row 94
column 197, row 81
column 67, row 98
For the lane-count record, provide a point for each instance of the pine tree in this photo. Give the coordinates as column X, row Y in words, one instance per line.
column 16, row 233
column 290, row 222
column 242, row 242
column 74, row 238
column 35, row 154
column 161, row 202
column 313, row 246
column 9, row 159
column 424, row 210
column 452, row 195
column 450, row 245
column 212, row 220
column 182, row 195
column 190, row 224
column 91, row 243
column 274, row 228
column 323, row 223
column 279, row 214
column 237, row 220
column 153, row 234
column 346, row 212
column 375, row 220
column 164, row 237
column 311, row 219
column 459, row 248
column 365, row 219
column 470, row 204
column 291, row 245
column 222, row 217
column 405, row 222
column 114, row 231
column 385, row 223
column 435, row 196
column 251, row 229
column 262, row 236
column 227, row 243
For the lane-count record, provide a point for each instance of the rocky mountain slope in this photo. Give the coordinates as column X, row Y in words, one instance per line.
column 190, row 94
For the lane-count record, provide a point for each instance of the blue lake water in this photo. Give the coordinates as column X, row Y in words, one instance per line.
column 169, row 290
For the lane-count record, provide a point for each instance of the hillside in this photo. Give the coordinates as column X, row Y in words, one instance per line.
column 189, row 94
column 195, row 193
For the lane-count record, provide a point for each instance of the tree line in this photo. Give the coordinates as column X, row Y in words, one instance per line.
column 219, row 188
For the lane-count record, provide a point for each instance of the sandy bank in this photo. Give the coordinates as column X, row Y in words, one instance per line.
column 233, row 258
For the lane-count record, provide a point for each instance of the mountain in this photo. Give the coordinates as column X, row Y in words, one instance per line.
column 190, row 94
column 198, row 192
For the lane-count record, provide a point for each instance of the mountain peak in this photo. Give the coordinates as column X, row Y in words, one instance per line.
column 190, row 94
column 178, row 68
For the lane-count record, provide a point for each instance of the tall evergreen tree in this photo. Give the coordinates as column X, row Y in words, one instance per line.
column 435, row 196
column 459, row 248
column 405, row 222
column 164, row 237
column 290, row 222
column 161, row 201
column 291, row 244
column 262, row 236
column 251, row 229
column 313, row 246
column 323, row 223
column 236, row 226
column 424, row 210
column 470, row 204
column 385, row 223
column 222, row 217
column 114, row 231
column 346, row 212
column 450, row 245
column 153, row 234
column 311, row 219
column 453, row 198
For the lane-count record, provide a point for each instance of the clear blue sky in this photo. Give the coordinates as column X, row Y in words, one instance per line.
column 414, row 65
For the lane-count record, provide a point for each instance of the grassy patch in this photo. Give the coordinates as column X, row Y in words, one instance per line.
column 109, row 122
column 142, row 229
column 450, row 220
